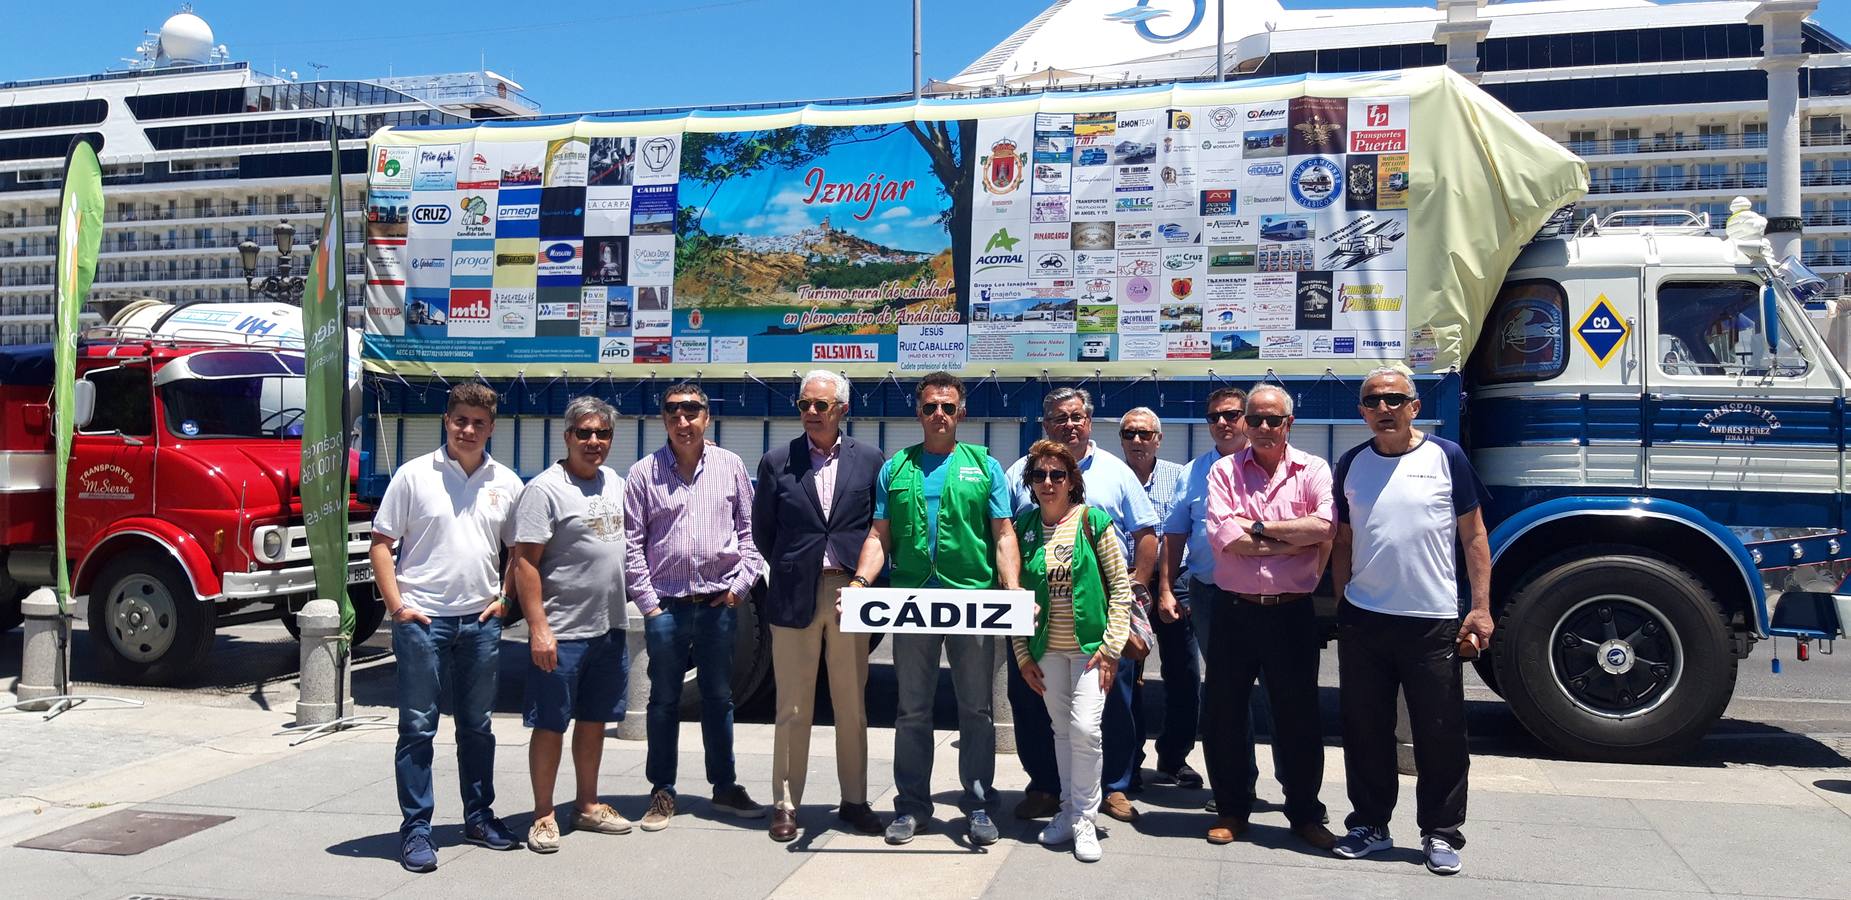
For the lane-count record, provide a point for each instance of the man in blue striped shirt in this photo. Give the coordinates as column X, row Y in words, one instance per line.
column 1140, row 435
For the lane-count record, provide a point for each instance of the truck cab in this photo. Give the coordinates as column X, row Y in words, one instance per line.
column 183, row 507
column 1662, row 434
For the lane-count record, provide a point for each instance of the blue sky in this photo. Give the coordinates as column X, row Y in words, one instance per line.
column 774, row 203
column 575, row 57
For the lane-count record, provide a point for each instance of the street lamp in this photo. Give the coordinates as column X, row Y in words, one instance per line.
column 280, row 286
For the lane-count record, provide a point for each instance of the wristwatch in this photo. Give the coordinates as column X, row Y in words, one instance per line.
column 859, row 581
column 1259, row 529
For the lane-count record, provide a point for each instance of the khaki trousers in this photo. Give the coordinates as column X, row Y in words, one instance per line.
column 794, row 656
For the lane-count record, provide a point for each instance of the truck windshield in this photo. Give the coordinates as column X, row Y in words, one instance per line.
column 265, row 406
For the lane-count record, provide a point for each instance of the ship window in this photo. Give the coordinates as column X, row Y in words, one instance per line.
column 53, row 115
column 1715, row 328
column 1526, row 340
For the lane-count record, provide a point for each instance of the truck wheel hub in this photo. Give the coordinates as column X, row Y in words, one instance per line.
column 1616, row 657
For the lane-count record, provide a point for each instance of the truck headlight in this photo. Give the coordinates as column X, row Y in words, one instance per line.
column 270, row 544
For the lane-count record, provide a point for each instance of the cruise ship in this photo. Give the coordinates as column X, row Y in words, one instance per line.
column 1668, row 102
column 200, row 153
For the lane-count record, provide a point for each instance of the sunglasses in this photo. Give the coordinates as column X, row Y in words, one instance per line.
column 815, row 406
column 1137, row 434
column 586, row 434
column 926, row 409
column 1037, row 476
column 1256, row 420
column 689, row 408
column 1068, row 419
column 1392, row 400
column 1228, row 416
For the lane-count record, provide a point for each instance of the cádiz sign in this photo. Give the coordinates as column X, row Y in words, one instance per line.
column 938, row 611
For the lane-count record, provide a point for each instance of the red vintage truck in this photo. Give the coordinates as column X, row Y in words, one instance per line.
column 183, row 510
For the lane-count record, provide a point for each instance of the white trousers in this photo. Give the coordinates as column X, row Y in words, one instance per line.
column 1075, row 703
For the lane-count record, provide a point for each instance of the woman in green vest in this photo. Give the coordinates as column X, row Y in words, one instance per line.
column 1075, row 563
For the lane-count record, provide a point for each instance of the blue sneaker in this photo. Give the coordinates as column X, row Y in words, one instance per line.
column 982, row 831
column 901, row 829
column 1362, row 841
column 416, row 854
column 1442, row 859
column 491, row 833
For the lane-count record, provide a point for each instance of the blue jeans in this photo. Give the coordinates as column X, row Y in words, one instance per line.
column 462, row 655
column 703, row 635
column 1120, row 730
column 973, row 675
column 1182, row 687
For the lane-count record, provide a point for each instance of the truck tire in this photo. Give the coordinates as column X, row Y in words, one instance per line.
column 1487, row 671
column 147, row 626
column 12, row 594
column 368, row 612
column 751, row 659
column 1614, row 653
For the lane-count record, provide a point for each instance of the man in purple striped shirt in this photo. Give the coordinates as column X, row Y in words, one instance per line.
column 687, row 513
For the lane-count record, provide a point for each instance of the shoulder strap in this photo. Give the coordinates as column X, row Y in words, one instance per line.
column 1092, row 536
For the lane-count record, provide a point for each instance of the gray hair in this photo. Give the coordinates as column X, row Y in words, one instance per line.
column 1269, row 388
column 1142, row 411
column 1378, row 371
column 584, row 407
column 1060, row 396
column 840, row 380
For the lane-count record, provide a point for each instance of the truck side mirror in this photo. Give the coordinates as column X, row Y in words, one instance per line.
column 83, row 403
column 1770, row 319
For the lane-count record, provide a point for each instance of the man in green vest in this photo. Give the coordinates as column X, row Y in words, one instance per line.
column 942, row 514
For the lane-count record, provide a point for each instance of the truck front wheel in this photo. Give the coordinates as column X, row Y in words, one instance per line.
column 1614, row 653
column 147, row 626
column 12, row 594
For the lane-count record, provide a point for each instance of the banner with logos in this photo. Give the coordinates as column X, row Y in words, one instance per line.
column 1294, row 224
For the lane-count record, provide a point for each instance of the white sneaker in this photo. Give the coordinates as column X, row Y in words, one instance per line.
column 1086, row 841
column 1059, row 830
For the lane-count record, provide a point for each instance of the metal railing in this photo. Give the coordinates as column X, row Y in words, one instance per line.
column 105, row 276
column 1650, row 185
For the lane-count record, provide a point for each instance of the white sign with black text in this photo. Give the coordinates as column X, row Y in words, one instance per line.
column 938, row 611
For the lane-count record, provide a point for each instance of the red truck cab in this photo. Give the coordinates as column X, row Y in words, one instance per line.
column 183, row 507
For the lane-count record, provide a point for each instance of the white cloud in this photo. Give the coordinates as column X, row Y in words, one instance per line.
column 898, row 212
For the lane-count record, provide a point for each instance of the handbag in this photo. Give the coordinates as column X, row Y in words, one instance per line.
column 1138, row 643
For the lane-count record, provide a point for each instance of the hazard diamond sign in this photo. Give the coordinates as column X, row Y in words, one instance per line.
column 1602, row 331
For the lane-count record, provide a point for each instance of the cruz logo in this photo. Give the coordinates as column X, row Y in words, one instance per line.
column 430, row 214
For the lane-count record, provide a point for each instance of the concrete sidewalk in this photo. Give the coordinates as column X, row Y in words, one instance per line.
column 320, row 820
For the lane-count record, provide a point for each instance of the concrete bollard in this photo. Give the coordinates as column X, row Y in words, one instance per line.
column 42, row 667
column 324, row 679
column 999, row 700
column 635, row 724
column 1404, row 736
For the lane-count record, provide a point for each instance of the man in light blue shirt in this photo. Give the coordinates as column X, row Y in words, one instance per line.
column 1067, row 417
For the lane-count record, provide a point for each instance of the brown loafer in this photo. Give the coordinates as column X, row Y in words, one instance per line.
column 1119, row 807
column 1226, row 830
column 783, row 824
column 1315, row 834
column 1037, row 805
column 862, row 816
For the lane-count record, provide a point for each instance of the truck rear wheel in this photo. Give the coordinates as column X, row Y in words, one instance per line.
column 368, row 612
column 147, row 625
column 751, row 658
column 12, row 594
column 1614, row 653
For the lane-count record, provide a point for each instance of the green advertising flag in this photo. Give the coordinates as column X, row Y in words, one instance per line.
column 80, row 233
column 324, row 420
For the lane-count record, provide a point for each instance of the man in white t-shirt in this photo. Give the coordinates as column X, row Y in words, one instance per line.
column 1403, row 499
column 447, row 512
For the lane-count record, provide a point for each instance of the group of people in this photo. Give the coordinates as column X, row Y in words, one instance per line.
column 1212, row 562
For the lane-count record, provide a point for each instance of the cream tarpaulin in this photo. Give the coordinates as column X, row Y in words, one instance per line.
column 1294, row 224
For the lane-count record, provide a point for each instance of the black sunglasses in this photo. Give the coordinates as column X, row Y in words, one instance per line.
column 586, row 434
column 1137, row 434
column 950, row 409
column 1226, row 415
column 1392, row 400
column 816, row 406
column 1255, row 420
column 684, row 407
column 1037, row 476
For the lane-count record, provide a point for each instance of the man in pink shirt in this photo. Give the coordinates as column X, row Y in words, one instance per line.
column 1271, row 517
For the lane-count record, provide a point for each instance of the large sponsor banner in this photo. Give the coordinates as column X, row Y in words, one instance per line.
column 1160, row 230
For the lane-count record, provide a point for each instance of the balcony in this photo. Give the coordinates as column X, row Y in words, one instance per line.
column 1732, row 140
column 1826, row 220
column 1828, row 259
column 1647, row 185
column 202, row 273
column 313, row 206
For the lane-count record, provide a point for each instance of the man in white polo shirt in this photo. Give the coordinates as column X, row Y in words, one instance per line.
column 447, row 513
column 1402, row 500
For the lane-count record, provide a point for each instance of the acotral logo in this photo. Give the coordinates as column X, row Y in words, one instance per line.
column 1001, row 241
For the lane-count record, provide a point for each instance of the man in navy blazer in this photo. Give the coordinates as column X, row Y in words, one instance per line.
column 810, row 514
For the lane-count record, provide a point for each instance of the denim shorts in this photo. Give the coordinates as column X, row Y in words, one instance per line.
column 590, row 683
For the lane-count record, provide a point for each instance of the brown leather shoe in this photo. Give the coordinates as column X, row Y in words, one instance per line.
column 783, row 824
column 1226, row 830
column 1316, row 835
column 860, row 815
column 1037, row 805
column 1119, row 807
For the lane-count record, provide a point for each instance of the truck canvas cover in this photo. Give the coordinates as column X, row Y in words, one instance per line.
column 1294, row 224
column 26, row 364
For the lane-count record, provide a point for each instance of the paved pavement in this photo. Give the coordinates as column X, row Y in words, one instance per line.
column 1762, row 809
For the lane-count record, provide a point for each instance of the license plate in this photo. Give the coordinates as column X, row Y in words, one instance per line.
column 360, row 574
